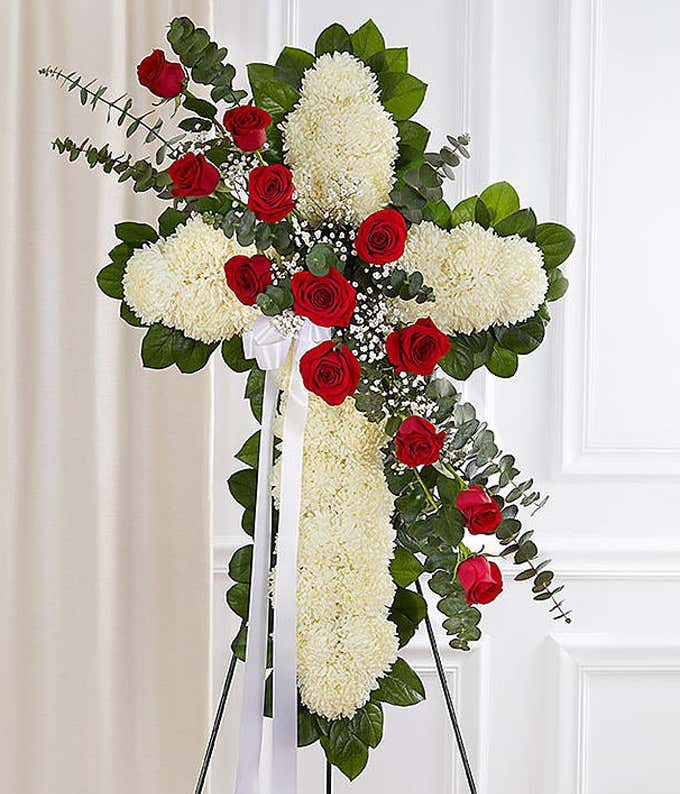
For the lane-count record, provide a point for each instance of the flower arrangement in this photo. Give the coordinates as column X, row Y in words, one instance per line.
column 317, row 205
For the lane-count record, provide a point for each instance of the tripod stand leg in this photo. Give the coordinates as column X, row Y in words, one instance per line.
column 216, row 726
column 329, row 777
column 449, row 700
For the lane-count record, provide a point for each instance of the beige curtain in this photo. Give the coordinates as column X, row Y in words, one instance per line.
column 104, row 566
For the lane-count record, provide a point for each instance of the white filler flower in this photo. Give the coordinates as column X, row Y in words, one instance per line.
column 479, row 279
column 180, row 282
column 340, row 142
column 344, row 640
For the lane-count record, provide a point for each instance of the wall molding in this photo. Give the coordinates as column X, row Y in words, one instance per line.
column 576, row 661
column 576, row 198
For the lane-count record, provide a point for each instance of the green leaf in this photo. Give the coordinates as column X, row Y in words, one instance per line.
column 234, row 358
column 438, row 212
column 243, row 487
column 407, row 611
column 333, row 39
column 402, row 94
column 522, row 222
column 128, row 316
column 320, row 259
column 521, row 338
column 400, row 686
column 237, row 597
column 392, row 59
column 448, row 489
column 308, row 729
column 255, row 391
column 464, row 211
column 292, row 64
column 248, row 453
column 367, row 724
column 502, row 362
column 501, row 200
column 158, row 347
column 201, row 107
column 345, row 749
column 413, row 138
column 241, row 564
column 136, row 234
column 448, row 524
column 557, row 285
column 459, row 362
column 482, row 215
column 169, row 220
column 367, row 40
column 238, row 644
column 405, row 567
column 270, row 92
column 556, row 242
column 110, row 280
column 191, row 354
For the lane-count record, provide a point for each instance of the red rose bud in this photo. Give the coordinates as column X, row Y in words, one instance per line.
column 331, row 372
column 161, row 77
column 381, row 237
column 326, row 300
column 247, row 125
column 481, row 511
column 418, row 442
column 270, row 192
column 417, row 348
column 193, row 175
column 481, row 580
column 248, row 276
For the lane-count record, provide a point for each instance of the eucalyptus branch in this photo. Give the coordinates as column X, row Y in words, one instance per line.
column 141, row 172
column 73, row 81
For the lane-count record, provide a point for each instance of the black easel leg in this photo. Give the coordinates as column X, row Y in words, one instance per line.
column 216, row 726
column 329, row 777
column 449, row 700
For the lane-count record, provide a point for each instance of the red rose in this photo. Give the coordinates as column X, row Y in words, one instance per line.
column 161, row 77
column 481, row 511
column 247, row 125
column 193, row 175
column 326, row 300
column 418, row 442
column 270, row 192
column 248, row 276
column 381, row 237
column 417, row 348
column 331, row 372
column 481, row 580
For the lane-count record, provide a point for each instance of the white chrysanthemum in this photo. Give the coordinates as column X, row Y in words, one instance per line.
column 149, row 285
column 340, row 142
column 180, row 282
column 479, row 279
column 345, row 641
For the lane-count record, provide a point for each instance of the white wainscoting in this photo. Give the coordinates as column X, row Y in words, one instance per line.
column 573, row 101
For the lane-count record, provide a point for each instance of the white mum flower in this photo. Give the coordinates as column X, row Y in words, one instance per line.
column 149, row 285
column 180, row 282
column 340, row 142
column 479, row 279
column 346, row 542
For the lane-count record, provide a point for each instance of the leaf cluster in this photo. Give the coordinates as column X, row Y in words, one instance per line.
column 204, row 60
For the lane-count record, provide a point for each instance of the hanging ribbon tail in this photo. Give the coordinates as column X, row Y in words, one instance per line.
column 270, row 349
column 252, row 711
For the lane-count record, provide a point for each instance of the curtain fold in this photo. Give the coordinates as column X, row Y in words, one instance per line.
column 105, row 559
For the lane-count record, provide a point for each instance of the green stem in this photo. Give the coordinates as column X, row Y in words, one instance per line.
column 451, row 470
column 58, row 74
column 426, row 490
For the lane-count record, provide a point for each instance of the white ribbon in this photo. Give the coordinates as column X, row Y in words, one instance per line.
column 270, row 349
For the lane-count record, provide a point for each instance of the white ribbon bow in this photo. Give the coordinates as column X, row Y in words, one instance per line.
column 270, row 349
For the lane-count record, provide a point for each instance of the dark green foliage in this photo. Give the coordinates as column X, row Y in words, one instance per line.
column 204, row 59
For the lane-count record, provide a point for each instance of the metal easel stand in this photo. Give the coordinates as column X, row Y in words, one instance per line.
column 219, row 713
